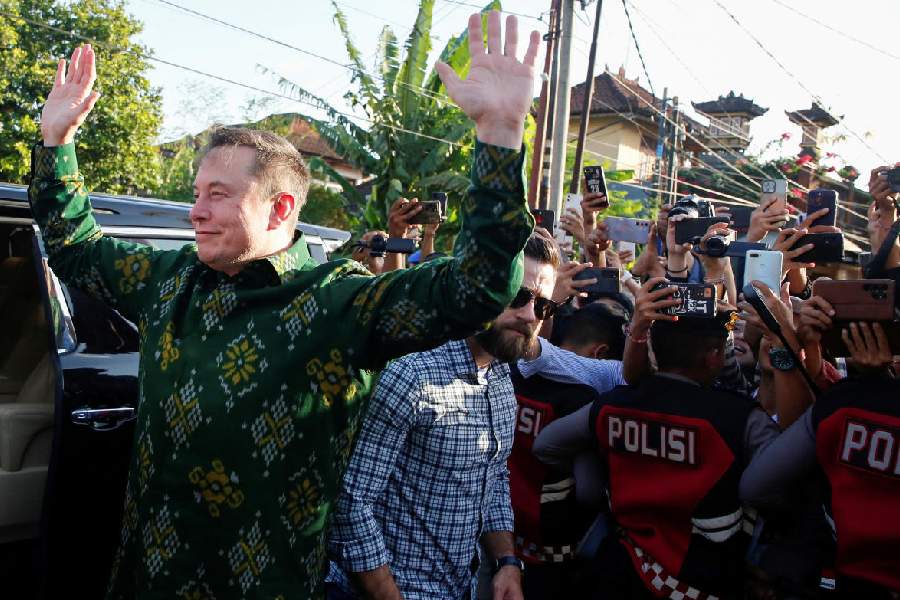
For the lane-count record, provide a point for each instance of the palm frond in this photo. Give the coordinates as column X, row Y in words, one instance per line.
column 359, row 71
column 412, row 73
column 388, row 54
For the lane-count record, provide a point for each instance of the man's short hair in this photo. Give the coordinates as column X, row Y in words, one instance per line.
column 542, row 250
column 685, row 343
column 278, row 166
column 594, row 324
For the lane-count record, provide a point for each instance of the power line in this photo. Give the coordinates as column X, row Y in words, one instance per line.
column 790, row 74
column 638, row 47
column 222, row 79
column 840, row 32
column 538, row 18
column 417, row 89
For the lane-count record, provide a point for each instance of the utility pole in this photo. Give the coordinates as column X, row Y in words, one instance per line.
column 575, row 184
column 537, row 155
column 561, row 110
column 660, row 146
column 674, row 138
column 544, row 192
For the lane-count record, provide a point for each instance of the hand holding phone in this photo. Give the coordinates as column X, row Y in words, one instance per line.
column 823, row 202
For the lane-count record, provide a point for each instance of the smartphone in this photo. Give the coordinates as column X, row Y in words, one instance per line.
column 623, row 229
column 627, row 247
column 543, row 218
column 740, row 217
column 697, row 299
column 740, row 249
column 430, row 213
column 858, row 299
column 688, row 230
column 595, row 180
column 607, row 281
column 827, row 248
column 441, row 198
column 774, row 189
column 833, row 343
column 819, row 199
column 893, row 178
column 764, row 266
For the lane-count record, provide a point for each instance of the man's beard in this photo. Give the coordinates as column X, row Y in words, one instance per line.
column 503, row 344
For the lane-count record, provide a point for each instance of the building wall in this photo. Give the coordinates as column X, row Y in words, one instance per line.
column 616, row 143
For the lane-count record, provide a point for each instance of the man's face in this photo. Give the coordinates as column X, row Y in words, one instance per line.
column 230, row 218
column 516, row 329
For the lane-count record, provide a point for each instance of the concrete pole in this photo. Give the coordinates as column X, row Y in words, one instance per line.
column 561, row 116
column 575, row 184
column 537, row 157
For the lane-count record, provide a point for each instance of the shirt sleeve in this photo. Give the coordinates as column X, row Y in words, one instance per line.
column 562, row 440
column 784, row 461
column 567, row 367
column 113, row 271
column 499, row 516
column 415, row 309
column 356, row 541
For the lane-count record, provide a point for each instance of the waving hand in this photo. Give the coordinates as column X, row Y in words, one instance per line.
column 71, row 98
column 499, row 89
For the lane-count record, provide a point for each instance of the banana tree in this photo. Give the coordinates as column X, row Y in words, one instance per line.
column 416, row 140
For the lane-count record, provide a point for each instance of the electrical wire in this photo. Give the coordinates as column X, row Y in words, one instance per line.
column 790, row 74
column 223, row 79
column 539, row 18
column 638, row 47
column 840, row 32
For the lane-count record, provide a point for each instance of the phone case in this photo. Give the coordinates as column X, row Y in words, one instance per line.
column 777, row 189
column 764, row 266
column 622, row 229
column 697, row 300
column 543, row 218
column 819, row 199
column 827, row 248
column 740, row 217
column 858, row 300
column 595, row 180
column 607, row 280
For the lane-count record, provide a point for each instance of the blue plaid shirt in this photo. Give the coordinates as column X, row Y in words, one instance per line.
column 428, row 475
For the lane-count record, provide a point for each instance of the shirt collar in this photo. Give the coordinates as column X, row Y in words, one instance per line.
column 460, row 356
column 276, row 268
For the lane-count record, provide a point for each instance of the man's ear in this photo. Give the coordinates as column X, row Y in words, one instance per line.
column 282, row 209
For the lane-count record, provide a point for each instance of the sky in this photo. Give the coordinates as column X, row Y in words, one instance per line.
column 691, row 47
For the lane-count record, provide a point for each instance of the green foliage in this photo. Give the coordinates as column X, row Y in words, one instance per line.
column 404, row 98
column 326, row 207
column 115, row 145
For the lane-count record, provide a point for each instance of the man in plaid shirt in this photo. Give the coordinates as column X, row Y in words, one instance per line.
column 428, row 478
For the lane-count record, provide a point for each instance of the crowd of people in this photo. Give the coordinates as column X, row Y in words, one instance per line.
column 485, row 424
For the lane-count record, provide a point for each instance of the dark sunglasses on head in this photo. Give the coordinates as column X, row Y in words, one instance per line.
column 543, row 307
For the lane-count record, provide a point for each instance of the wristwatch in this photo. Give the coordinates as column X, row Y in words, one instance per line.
column 782, row 359
column 507, row 561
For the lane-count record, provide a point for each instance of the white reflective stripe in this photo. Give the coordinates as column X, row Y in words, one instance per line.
column 718, row 522
column 555, row 496
column 830, row 522
column 559, row 485
column 718, row 536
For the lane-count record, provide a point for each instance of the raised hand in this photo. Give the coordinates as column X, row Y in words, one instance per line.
column 499, row 90
column 71, row 98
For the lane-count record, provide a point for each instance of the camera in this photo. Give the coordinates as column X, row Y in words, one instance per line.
column 693, row 206
column 379, row 245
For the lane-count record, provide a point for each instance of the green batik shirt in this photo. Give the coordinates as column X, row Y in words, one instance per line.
column 251, row 386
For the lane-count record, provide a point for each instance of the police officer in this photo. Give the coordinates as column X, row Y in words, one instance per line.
column 851, row 438
column 671, row 451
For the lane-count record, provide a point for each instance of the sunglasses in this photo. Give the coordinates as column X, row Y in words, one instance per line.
column 543, row 307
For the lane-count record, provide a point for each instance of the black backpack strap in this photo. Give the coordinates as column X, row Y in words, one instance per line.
column 876, row 267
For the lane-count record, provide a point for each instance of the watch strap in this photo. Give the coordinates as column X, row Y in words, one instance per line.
column 509, row 561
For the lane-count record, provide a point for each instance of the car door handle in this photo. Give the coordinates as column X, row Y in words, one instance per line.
column 103, row 419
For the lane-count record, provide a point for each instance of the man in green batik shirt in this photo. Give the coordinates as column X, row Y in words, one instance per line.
column 254, row 357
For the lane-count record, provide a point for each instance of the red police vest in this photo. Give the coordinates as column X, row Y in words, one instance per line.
column 857, row 427
column 548, row 523
column 674, row 453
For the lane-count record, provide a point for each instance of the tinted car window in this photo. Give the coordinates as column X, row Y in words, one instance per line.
column 100, row 328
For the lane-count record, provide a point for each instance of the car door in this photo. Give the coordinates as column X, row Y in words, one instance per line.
column 97, row 396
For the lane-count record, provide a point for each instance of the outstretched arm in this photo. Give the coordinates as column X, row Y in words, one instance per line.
column 113, row 271
column 411, row 310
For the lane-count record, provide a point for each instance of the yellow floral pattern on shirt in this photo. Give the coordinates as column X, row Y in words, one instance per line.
column 216, row 488
column 135, row 268
column 331, row 377
column 168, row 352
column 241, row 364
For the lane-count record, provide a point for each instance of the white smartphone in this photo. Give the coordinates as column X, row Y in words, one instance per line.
column 572, row 201
column 764, row 266
column 626, row 247
column 623, row 229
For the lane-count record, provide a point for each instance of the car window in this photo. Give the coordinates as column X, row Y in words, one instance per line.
column 317, row 251
column 100, row 328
